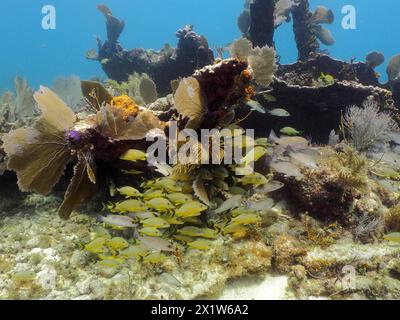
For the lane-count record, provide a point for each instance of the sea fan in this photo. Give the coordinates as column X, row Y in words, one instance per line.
column 114, row 25
column 17, row 109
column 148, row 90
column 81, row 188
column 40, row 154
column 95, row 94
column 393, row 69
column 190, row 102
column 69, row 90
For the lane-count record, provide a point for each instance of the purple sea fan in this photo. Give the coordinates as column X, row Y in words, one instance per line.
column 39, row 155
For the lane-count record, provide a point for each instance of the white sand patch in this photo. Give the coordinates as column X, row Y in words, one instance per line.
column 268, row 288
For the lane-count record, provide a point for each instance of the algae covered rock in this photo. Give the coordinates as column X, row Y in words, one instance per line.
column 286, row 251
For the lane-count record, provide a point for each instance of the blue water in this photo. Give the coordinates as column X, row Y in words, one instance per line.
column 40, row 56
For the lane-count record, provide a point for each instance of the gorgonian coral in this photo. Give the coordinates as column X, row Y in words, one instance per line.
column 367, row 126
column 40, row 154
column 191, row 102
column 117, row 124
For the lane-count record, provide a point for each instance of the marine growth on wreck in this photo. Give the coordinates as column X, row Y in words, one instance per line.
column 187, row 169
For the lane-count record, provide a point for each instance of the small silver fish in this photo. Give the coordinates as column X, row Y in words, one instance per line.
column 235, row 190
column 231, row 203
column 156, row 243
column 304, row 159
column 395, row 137
column 286, row 168
column 271, row 186
column 170, row 279
column 255, row 106
column 269, row 97
column 279, row 112
column 118, row 221
column 296, row 143
column 261, row 205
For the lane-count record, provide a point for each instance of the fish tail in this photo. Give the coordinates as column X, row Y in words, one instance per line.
column 218, row 229
column 236, row 180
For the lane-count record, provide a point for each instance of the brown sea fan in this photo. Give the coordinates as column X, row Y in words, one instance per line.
column 191, row 102
column 148, row 90
column 39, row 155
column 80, row 189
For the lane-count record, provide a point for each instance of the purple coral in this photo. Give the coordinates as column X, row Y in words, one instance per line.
column 74, row 138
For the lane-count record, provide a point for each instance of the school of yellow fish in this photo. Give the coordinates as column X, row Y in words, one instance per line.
column 171, row 213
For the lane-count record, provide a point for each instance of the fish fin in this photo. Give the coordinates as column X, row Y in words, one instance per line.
column 273, row 137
